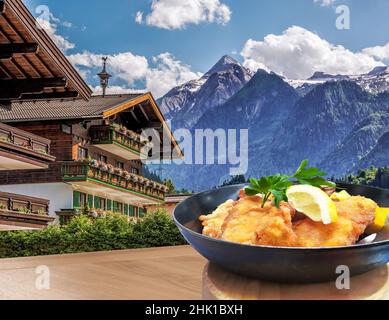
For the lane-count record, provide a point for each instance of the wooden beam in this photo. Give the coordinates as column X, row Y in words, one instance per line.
column 27, row 84
column 47, row 48
column 8, row 50
column 50, row 95
column 15, row 88
column 144, row 113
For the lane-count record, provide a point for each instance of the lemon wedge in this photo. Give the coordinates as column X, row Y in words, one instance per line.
column 313, row 202
column 381, row 219
column 340, row 196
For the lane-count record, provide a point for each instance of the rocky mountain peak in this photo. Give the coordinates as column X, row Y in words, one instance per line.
column 225, row 64
column 379, row 71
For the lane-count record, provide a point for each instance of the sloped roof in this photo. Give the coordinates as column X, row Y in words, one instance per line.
column 31, row 65
column 97, row 107
column 35, row 110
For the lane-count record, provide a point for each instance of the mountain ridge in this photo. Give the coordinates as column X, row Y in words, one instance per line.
column 337, row 123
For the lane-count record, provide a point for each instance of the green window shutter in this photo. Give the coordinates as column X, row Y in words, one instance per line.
column 97, row 202
column 126, row 209
column 90, row 201
column 76, row 199
column 131, row 210
column 109, row 205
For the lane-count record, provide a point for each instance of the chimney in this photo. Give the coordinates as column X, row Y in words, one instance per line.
column 104, row 76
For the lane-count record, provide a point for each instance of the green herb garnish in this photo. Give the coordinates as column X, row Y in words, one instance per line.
column 311, row 176
column 278, row 184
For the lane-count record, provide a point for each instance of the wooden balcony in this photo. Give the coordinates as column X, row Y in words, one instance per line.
column 18, row 211
column 21, row 150
column 100, row 179
column 117, row 140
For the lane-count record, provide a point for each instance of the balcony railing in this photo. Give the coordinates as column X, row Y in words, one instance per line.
column 15, row 138
column 23, row 204
column 111, row 134
column 106, row 174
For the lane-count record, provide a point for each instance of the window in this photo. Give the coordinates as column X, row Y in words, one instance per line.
column 83, row 199
column 120, row 165
column 135, row 170
column 103, row 158
column 82, row 153
column 103, row 204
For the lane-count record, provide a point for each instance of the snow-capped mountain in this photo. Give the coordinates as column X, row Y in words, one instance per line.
column 339, row 122
column 185, row 104
column 375, row 81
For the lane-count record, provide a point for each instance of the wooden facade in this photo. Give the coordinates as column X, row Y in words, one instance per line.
column 95, row 141
column 98, row 153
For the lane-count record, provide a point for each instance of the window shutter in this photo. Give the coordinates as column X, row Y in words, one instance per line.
column 90, row 201
column 126, row 212
column 97, row 202
column 109, row 205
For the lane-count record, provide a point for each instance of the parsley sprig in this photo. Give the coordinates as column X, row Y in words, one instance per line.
column 278, row 184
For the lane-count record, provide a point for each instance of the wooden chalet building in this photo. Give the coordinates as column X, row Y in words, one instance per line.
column 98, row 150
column 31, row 67
column 62, row 150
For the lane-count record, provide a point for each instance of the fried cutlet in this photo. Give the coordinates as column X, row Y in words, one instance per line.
column 248, row 223
column 212, row 223
column 354, row 215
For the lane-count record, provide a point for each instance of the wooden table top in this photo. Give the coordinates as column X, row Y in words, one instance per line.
column 219, row 284
column 171, row 273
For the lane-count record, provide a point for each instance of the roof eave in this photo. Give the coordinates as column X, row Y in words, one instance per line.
column 48, row 46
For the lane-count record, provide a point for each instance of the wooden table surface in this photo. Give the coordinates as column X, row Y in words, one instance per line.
column 158, row 273
column 172, row 273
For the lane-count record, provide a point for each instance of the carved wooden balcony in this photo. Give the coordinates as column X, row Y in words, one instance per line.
column 23, row 211
column 103, row 179
column 23, row 150
column 117, row 140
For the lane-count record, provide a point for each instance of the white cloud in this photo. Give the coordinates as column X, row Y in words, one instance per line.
column 67, row 24
column 177, row 14
column 113, row 90
column 168, row 73
column 125, row 66
column 50, row 23
column 164, row 73
column 325, row 3
column 379, row 52
column 297, row 53
column 139, row 17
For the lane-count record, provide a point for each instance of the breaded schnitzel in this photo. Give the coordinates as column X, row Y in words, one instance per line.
column 354, row 215
column 245, row 221
column 248, row 223
column 212, row 223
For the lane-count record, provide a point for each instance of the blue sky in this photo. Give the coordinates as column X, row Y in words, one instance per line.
column 95, row 27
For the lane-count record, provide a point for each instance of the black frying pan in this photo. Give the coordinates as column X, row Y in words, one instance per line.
column 280, row 264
